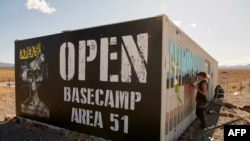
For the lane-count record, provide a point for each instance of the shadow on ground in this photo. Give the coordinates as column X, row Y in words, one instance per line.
column 219, row 113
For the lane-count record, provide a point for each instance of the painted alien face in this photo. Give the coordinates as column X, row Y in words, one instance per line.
column 33, row 73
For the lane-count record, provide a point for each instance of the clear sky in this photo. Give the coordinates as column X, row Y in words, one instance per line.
column 220, row 27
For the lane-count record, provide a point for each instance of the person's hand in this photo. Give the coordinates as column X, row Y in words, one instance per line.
column 193, row 85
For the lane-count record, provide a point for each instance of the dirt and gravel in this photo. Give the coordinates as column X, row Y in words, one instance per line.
column 220, row 112
column 234, row 108
column 13, row 131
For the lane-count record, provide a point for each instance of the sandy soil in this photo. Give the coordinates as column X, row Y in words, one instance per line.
column 7, row 102
column 234, row 80
column 7, row 74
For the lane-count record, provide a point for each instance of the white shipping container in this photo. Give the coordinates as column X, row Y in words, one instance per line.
column 182, row 58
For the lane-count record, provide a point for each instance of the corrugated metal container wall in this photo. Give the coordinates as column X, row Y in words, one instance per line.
column 182, row 59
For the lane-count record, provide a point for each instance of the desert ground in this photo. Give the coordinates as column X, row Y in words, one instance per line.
column 237, row 81
column 234, row 105
column 7, row 74
column 7, row 93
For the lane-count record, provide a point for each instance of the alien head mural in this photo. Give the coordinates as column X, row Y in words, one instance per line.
column 33, row 74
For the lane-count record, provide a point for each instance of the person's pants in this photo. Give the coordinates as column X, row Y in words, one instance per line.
column 200, row 109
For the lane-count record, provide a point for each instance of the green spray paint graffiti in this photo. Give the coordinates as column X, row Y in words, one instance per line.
column 174, row 66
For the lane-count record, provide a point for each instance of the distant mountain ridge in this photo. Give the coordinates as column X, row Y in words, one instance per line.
column 2, row 64
column 235, row 67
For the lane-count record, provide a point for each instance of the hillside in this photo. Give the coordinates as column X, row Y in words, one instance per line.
column 235, row 67
column 2, row 64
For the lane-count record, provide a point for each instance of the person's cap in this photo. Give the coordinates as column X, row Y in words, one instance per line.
column 203, row 74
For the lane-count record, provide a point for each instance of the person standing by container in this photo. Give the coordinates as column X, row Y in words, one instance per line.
column 201, row 99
